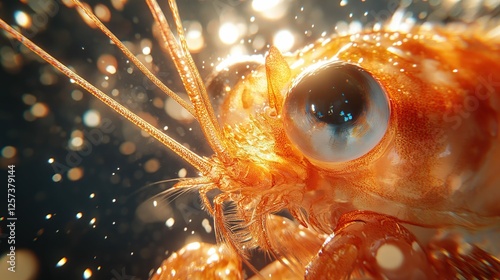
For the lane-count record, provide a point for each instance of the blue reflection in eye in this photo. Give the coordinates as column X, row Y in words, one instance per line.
column 335, row 112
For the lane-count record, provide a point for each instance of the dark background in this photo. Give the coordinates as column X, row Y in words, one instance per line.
column 121, row 245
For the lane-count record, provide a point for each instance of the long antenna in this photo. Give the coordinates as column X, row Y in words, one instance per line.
column 191, row 81
column 192, row 66
column 134, row 59
column 195, row 160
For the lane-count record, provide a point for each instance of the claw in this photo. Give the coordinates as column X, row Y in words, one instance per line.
column 370, row 244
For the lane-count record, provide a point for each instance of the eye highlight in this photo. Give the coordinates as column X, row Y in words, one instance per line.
column 335, row 112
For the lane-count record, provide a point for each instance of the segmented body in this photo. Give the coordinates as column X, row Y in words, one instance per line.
column 433, row 170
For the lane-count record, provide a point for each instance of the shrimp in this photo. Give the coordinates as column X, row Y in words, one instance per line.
column 380, row 145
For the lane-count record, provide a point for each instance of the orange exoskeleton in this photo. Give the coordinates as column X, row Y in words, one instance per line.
column 381, row 145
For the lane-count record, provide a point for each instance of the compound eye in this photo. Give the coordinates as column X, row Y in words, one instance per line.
column 335, row 112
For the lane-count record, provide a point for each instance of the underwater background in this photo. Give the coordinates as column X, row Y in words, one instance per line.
column 87, row 182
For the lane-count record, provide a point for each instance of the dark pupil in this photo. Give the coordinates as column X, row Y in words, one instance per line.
column 336, row 96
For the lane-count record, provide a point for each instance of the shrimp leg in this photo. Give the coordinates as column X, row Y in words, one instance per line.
column 453, row 256
column 373, row 243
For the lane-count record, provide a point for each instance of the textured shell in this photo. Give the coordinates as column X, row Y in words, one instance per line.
column 435, row 167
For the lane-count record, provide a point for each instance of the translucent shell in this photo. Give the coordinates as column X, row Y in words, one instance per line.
column 200, row 261
column 335, row 112
column 433, row 169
